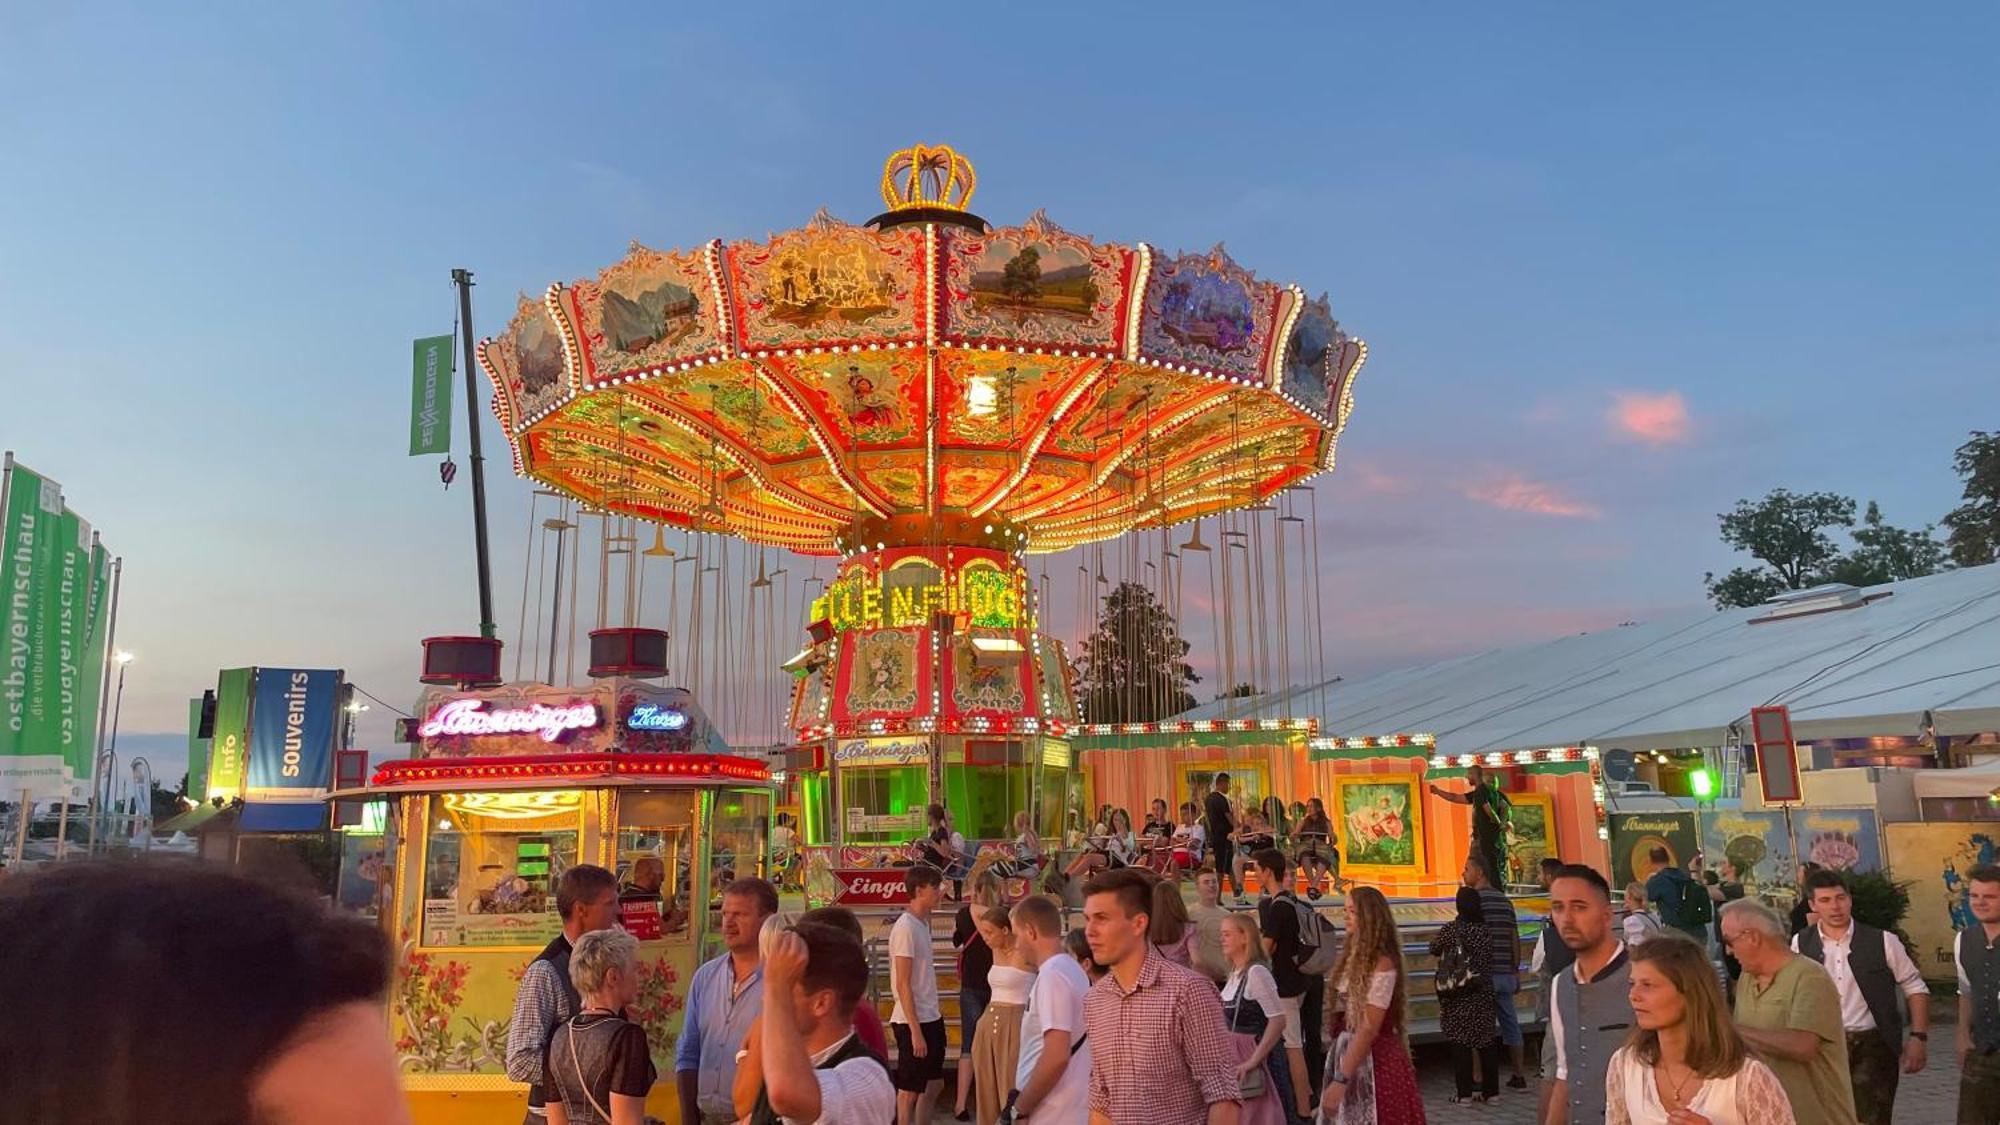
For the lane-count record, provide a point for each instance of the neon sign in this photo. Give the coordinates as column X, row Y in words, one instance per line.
column 652, row 716
column 470, row 717
column 879, row 751
column 910, row 595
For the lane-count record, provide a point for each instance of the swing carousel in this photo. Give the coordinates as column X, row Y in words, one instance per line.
column 922, row 401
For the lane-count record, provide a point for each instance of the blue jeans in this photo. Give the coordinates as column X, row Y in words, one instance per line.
column 1505, row 985
column 971, row 1005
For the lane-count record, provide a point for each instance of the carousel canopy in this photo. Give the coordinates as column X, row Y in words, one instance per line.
column 1896, row 659
column 837, row 385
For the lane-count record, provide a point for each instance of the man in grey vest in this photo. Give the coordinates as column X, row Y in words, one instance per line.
column 1978, row 954
column 1869, row 968
column 1590, row 1015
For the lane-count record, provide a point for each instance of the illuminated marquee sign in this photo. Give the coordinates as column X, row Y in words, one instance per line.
column 883, row 751
column 470, row 717
column 652, row 716
column 911, row 595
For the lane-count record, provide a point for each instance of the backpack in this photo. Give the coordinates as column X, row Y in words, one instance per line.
column 1454, row 975
column 1696, row 906
column 1318, row 949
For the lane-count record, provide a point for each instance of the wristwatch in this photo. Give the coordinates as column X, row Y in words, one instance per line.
column 1923, row 1035
column 1336, row 1076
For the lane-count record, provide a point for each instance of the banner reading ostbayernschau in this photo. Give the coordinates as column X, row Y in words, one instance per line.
column 31, row 524
column 92, row 648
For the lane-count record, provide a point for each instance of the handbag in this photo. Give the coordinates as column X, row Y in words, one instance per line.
column 1454, row 971
column 1251, row 1086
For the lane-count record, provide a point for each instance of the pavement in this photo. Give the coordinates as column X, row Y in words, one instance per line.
column 1929, row 1097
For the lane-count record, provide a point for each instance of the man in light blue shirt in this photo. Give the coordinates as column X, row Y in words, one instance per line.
column 723, row 1000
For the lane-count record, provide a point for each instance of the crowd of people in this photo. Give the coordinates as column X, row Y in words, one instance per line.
column 1221, row 833
column 1155, row 1010
column 1150, row 1010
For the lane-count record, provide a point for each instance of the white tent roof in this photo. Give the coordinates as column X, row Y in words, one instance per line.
column 1972, row 781
column 1928, row 645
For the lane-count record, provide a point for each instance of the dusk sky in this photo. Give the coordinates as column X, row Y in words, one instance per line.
column 1618, row 267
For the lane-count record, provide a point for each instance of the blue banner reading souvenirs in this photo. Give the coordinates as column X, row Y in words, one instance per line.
column 292, row 717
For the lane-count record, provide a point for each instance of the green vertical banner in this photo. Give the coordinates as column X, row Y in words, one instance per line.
column 95, row 635
column 73, row 712
column 31, row 527
column 232, row 733
column 198, row 747
column 430, row 396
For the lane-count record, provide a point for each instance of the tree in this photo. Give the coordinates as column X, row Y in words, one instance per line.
column 1974, row 526
column 167, row 802
column 1021, row 277
column 1134, row 668
column 1787, row 532
column 1743, row 586
column 1886, row 554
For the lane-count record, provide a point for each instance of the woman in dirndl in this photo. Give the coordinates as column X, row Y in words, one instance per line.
column 1369, row 1077
column 1256, row 1023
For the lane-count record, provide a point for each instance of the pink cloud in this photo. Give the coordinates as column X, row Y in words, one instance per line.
column 1376, row 482
column 1654, row 419
column 1513, row 492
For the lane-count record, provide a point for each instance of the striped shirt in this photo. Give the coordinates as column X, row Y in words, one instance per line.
column 1160, row 1053
column 1501, row 921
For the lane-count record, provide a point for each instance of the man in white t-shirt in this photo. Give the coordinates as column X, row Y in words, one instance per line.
column 815, row 1071
column 1053, row 1078
column 916, row 1020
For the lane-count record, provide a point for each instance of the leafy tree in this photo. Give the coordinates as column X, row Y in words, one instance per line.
column 1886, row 554
column 1786, row 531
column 1744, row 586
column 1022, row 276
column 1974, row 526
column 1134, row 668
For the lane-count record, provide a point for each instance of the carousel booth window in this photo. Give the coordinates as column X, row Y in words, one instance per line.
column 815, row 808
column 491, row 861
column 884, row 804
column 740, row 845
column 987, row 788
column 654, row 862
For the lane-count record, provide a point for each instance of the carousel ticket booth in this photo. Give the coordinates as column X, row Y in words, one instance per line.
column 926, row 683
column 507, row 789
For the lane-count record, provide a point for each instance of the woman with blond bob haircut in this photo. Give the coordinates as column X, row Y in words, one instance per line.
column 1685, row 1062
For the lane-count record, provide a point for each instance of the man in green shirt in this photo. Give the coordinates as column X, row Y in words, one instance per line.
column 1789, row 1012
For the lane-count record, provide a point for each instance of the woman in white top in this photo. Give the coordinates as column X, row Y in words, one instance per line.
column 1639, row 925
column 1369, row 1076
column 1116, row 846
column 1686, row 1064
column 996, row 1044
column 1256, row 1021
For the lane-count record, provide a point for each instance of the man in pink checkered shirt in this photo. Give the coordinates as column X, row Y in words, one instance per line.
column 1160, row 1055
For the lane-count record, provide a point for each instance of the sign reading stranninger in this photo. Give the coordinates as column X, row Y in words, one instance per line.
column 470, row 717
column 883, row 751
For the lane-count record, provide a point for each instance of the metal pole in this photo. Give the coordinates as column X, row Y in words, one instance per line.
column 555, row 614
column 111, row 755
column 21, row 825
column 104, row 699
column 463, row 279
